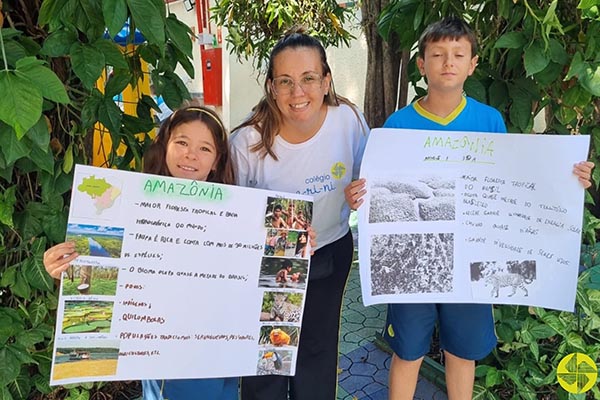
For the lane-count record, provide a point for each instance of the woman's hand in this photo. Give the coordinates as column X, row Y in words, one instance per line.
column 354, row 193
column 58, row 258
column 312, row 239
column 583, row 171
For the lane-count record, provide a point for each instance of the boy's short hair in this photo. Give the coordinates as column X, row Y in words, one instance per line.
column 447, row 28
column 277, row 207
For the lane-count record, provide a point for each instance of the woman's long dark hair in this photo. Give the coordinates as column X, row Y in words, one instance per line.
column 266, row 116
column 155, row 157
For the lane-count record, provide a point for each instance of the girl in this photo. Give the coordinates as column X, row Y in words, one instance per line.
column 191, row 144
column 301, row 121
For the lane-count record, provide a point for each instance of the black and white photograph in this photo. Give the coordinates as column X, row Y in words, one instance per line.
column 412, row 263
column 428, row 198
column 499, row 279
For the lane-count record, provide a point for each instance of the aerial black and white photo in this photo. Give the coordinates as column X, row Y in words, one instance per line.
column 427, row 198
column 412, row 263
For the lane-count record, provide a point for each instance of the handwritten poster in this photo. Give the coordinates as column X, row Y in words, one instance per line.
column 180, row 279
column 471, row 217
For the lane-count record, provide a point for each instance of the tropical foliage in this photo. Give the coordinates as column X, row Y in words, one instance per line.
column 51, row 59
column 255, row 26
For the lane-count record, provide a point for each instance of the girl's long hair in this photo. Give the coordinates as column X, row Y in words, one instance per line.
column 155, row 157
column 266, row 116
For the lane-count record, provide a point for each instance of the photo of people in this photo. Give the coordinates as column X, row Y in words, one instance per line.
column 283, row 273
column 286, row 243
column 90, row 280
column 284, row 213
column 279, row 336
column 276, row 242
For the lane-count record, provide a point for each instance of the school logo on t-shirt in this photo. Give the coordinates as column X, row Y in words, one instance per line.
column 338, row 170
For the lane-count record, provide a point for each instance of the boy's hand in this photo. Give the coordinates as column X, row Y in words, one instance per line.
column 354, row 193
column 583, row 171
column 58, row 258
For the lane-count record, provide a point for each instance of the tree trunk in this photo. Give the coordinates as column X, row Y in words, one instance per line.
column 383, row 65
column 403, row 90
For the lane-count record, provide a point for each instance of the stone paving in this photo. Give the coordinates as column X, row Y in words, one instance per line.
column 363, row 367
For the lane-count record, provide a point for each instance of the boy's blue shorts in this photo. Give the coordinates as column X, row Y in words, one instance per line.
column 466, row 330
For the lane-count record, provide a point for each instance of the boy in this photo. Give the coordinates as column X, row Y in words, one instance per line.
column 284, row 273
column 277, row 220
column 447, row 57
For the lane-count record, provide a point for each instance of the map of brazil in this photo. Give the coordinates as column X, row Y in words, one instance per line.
column 103, row 194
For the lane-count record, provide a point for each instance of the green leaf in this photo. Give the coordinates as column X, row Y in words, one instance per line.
column 35, row 273
column 590, row 80
column 12, row 148
column 89, row 112
column 30, row 337
column 14, row 52
column 50, row 86
column 535, row 58
column 576, row 96
column 68, row 159
column 577, row 67
column 44, row 160
column 493, row 377
column 542, row 331
column 520, row 109
column 117, row 82
column 109, row 114
column 87, row 62
column 10, row 366
column 558, row 54
column 48, row 11
column 39, row 134
column 23, row 107
column 7, row 206
column 112, row 53
column 535, row 350
column 58, row 43
column 498, row 94
column 115, row 15
column 575, row 342
column 179, row 34
column 475, row 89
column 511, row 40
column 550, row 74
column 38, row 311
column 147, row 17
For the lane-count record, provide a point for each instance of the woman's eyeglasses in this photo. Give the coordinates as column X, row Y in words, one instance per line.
column 284, row 85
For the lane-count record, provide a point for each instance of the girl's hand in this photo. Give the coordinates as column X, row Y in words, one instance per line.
column 354, row 193
column 583, row 171
column 58, row 258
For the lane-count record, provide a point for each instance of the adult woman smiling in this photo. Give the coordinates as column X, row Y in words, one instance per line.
column 302, row 122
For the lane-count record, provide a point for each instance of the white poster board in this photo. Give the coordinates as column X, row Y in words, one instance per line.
column 178, row 279
column 453, row 217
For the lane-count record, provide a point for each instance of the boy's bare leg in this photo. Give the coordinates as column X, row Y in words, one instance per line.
column 460, row 376
column 403, row 378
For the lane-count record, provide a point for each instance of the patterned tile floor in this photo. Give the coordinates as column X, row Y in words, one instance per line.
column 363, row 367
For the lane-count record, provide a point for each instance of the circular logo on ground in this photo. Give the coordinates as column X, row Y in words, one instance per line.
column 338, row 170
column 577, row 373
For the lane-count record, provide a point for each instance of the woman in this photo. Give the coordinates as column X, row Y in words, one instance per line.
column 301, row 121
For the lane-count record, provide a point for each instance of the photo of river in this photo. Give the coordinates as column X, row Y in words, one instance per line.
column 97, row 241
